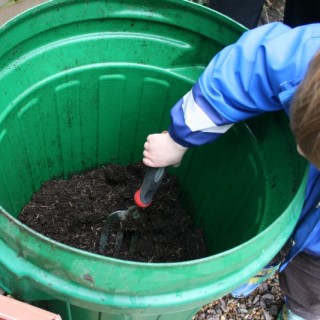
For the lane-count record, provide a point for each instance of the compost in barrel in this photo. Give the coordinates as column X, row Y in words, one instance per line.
column 72, row 211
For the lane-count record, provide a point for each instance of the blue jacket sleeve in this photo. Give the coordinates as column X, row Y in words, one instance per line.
column 244, row 80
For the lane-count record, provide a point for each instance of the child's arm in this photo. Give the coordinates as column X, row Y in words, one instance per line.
column 241, row 81
column 244, row 80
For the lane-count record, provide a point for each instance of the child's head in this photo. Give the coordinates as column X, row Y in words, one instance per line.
column 305, row 113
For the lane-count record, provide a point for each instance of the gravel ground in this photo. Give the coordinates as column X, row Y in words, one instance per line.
column 272, row 11
column 263, row 304
column 266, row 301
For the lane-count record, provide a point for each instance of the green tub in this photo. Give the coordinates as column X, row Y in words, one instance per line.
column 82, row 84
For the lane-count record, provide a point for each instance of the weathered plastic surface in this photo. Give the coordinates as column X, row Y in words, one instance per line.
column 82, row 83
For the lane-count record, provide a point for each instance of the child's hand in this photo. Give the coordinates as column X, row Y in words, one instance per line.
column 161, row 151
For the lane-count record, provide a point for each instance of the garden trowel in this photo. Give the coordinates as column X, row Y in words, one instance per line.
column 142, row 198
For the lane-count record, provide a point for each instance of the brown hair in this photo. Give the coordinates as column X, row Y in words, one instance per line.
column 305, row 113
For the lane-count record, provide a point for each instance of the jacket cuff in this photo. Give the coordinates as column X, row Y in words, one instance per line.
column 176, row 139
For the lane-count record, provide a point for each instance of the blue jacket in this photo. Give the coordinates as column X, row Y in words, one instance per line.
column 259, row 73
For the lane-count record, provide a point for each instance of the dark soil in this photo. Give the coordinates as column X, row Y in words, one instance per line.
column 73, row 211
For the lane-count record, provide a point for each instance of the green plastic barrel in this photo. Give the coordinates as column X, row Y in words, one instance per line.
column 82, row 84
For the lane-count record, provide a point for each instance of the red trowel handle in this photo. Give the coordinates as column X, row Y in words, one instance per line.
column 150, row 185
